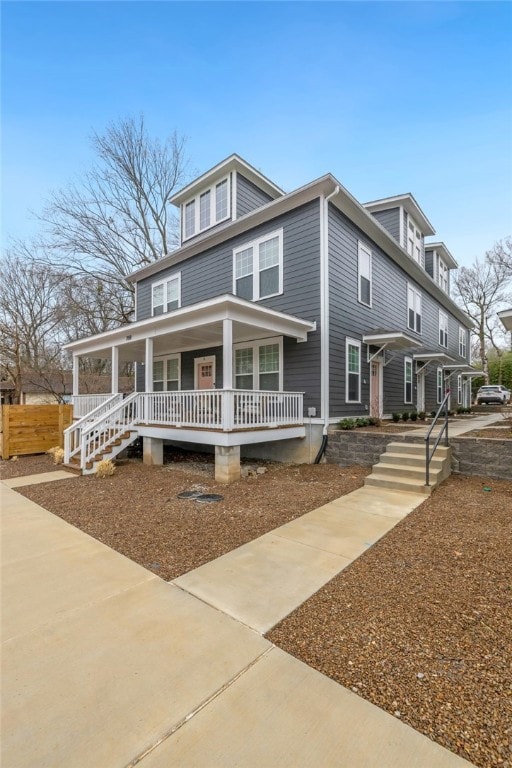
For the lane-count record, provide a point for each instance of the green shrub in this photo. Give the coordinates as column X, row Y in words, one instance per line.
column 422, row 415
column 374, row 421
column 432, row 414
column 347, row 424
column 395, row 417
column 460, row 410
column 362, row 421
column 405, row 416
column 414, row 416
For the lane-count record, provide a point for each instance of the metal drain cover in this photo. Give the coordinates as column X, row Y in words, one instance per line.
column 208, row 498
column 189, row 494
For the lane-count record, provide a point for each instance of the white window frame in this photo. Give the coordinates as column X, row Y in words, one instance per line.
column 352, row 343
column 408, row 365
column 255, row 245
column 363, row 250
column 165, row 282
column 463, row 349
column 442, row 274
column 417, row 300
column 439, row 385
column 443, row 329
column 196, row 199
column 255, row 346
column 414, row 246
column 459, row 390
column 164, row 358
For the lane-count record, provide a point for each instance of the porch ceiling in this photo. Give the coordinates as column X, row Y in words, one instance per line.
column 195, row 327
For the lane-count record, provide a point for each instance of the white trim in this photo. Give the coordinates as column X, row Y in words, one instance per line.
column 352, row 343
column 409, row 204
column 76, row 374
column 255, row 345
column 408, row 362
column 255, row 245
column 196, row 199
column 401, row 222
column 207, row 359
column 115, row 370
column 164, row 358
column 443, row 329
column 380, row 367
column 149, row 364
column 234, row 194
column 164, row 282
column 463, row 342
column 439, row 382
column 362, row 248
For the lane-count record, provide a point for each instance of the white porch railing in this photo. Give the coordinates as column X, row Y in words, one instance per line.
column 225, row 409
column 72, row 435
column 108, row 428
column 83, row 405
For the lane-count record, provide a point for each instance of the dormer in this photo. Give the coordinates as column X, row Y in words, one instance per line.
column 438, row 263
column 226, row 192
column 405, row 221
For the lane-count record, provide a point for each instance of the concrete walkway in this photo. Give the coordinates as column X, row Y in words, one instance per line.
column 104, row 664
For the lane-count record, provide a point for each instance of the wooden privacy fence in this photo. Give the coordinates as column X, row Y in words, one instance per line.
column 33, row 428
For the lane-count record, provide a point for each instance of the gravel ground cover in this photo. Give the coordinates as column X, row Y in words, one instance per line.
column 27, row 465
column 137, row 512
column 421, row 624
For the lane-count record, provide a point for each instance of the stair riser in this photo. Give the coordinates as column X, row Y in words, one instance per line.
column 415, row 450
column 397, row 485
column 406, row 473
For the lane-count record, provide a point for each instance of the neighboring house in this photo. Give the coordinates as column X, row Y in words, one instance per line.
column 506, row 318
column 282, row 313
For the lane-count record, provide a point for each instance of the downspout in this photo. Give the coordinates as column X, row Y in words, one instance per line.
column 324, row 315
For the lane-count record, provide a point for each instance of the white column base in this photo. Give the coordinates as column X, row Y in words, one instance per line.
column 227, row 463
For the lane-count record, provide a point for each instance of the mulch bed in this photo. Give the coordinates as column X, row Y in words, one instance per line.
column 421, row 624
column 27, row 465
column 501, row 429
column 137, row 512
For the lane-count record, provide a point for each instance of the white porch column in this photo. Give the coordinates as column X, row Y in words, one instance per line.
column 115, row 370
column 149, row 365
column 227, row 354
column 76, row 369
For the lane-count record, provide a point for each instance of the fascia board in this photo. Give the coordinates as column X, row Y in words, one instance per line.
column 444, row 253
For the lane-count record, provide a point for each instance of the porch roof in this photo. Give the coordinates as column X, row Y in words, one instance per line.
column 198, row 326
column 465, row 368
column 430, row 356
column 392, row 340
column 506, row 318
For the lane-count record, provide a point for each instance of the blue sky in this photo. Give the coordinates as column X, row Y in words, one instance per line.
column 390, row 97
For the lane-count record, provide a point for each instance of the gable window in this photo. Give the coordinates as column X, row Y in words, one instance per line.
column 258, row 268
column 414, row 241
column 166, row 374
column 364, row 269
column 353, row 376
column 440, row 386
column 209, row 207
column 258, row 365
column 166, row 295
column 443, row 329
column 413, row 309
column 442, row 275
column 462, row 342
column 407, row 380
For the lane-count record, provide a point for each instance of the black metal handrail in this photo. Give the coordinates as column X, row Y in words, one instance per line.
column 444, row 430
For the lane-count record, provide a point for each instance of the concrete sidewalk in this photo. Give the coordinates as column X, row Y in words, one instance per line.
column 106, row 665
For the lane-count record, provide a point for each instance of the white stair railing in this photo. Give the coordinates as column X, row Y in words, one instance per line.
column 73, row 434
column 109, row 428
column 83, row 405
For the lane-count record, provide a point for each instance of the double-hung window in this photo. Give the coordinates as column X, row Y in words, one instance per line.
column 258, row 268
column 462, row 342
column 364, row 270
column 166, row 374
column 407, row 380
column 440, row 385
column 443, row 329
column 258, row 365
column 459, row 390
column 166, row 295
column 413, row 309
column 414, row 241
column 353, row 371
column 442, row 275
column 209, row 207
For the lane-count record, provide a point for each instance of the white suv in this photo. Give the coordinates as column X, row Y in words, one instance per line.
column 493, row 393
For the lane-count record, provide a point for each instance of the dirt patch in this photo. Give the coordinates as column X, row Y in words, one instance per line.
column 137, row 512
column 501, row 429
column 421, row 624
column 27, row 465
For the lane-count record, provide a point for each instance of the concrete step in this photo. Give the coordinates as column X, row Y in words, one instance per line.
column 416, row 449
column 406, row 472
column 382, row 481
column 413, row 460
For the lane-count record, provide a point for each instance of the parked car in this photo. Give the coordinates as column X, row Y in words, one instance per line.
column 493, row 393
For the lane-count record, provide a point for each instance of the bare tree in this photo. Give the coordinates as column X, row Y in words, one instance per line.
column 119, row 217
column 501, row 254
column 481, row 289
column 31, row 317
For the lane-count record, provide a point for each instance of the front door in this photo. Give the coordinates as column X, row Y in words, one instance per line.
column 204, row 372
column 375, row 389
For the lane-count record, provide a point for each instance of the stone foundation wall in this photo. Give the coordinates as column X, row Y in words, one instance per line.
column 486, row 456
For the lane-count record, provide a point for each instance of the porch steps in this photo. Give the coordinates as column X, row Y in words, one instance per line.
column 402, row 467
column 109, row 451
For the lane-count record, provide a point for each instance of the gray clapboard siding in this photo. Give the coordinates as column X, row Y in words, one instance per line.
column 248, row 196
column 390, row 220
column 210, row 274
column 349, row 318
